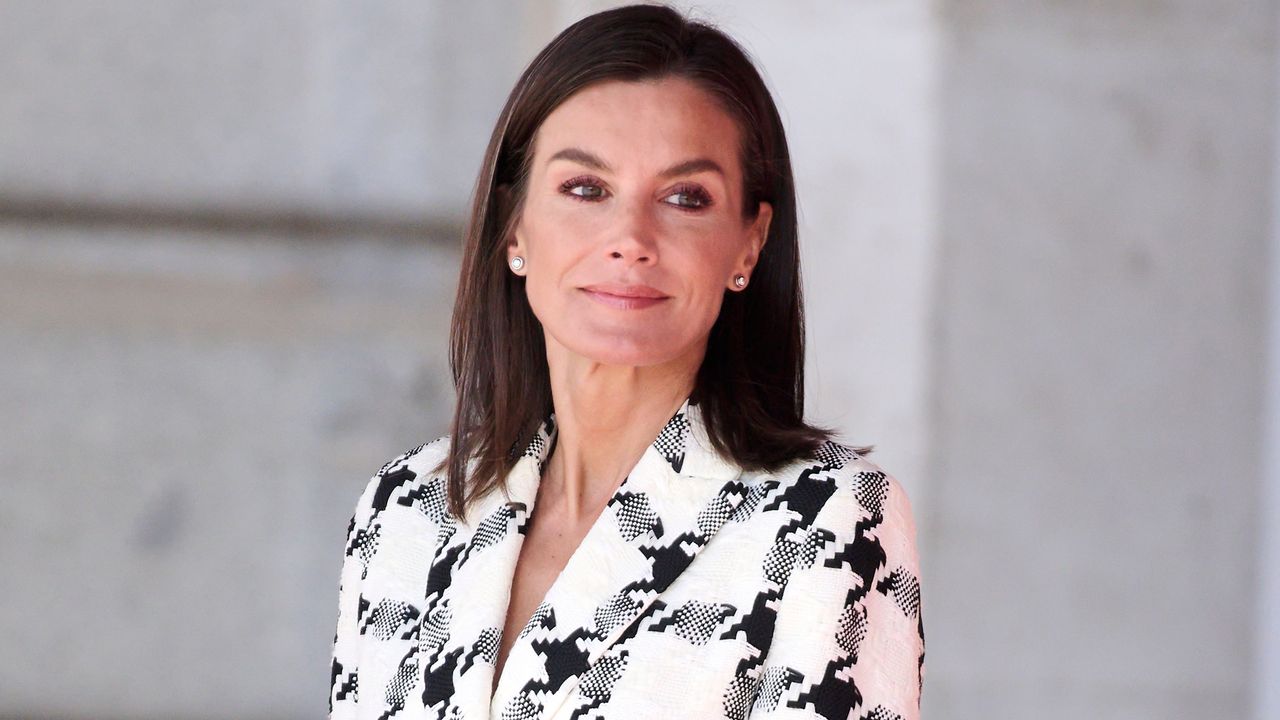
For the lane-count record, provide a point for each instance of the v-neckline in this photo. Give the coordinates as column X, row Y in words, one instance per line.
column 593, row 529
column 542, row 460
column 655, row 523
column 542, row 467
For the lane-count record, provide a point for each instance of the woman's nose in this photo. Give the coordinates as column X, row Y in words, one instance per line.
column 637, row 234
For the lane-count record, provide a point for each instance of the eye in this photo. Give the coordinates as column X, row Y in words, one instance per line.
column 698, row 196
column 595, row 191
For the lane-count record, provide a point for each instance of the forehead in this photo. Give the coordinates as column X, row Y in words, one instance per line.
column 641, row 124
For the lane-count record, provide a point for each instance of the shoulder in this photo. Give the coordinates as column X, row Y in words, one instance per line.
column 838, row 486
column 420, row 460
column 869, row 518
column 850, row 518
column 875, row 491
column 408, row 478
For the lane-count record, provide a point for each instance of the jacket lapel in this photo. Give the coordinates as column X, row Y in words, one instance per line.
column 470, row 588
column 664, row 513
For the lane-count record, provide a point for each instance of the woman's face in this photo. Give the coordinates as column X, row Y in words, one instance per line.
column 635, row 190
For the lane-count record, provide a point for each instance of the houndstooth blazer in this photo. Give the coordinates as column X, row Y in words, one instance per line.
column 702, row 591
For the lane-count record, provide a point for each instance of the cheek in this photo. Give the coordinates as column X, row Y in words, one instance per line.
column 543, row 291
column 703, row 293
column 547, row 256
column 555, row 238
column 706, row 264
column 708, row 307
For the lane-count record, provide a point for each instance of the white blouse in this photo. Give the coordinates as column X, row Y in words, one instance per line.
column 701, row 591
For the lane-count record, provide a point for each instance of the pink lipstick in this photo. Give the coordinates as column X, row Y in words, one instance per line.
column 625, row 297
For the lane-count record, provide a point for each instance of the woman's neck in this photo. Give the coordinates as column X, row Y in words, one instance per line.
column 606, row 416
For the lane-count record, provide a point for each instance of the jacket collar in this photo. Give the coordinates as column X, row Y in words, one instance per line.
column 664, row 513
column 681, row 451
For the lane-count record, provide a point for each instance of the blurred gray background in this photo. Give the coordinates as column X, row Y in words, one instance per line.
column 1040, row 262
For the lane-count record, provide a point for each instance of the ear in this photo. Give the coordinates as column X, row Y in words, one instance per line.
column 757, row 237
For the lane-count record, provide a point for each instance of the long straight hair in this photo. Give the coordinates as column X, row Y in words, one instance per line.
column 750, row 387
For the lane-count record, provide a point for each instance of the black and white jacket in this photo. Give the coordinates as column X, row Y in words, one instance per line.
column 702, row 591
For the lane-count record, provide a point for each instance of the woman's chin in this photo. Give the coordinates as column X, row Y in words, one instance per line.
column 626, row 352
column 629, row 359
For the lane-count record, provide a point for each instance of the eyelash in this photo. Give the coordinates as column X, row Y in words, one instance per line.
column 697, row 193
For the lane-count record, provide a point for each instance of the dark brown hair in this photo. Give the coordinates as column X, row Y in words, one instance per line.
column 750, row 386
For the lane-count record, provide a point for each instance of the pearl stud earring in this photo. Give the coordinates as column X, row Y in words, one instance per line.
column 517, row 262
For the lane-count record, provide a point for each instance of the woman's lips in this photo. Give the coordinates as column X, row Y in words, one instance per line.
column 625, row 298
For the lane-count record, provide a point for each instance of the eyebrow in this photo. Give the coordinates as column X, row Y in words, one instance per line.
column 593, row 161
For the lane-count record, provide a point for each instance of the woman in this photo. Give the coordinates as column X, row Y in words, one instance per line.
column 630, row 517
